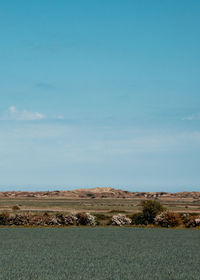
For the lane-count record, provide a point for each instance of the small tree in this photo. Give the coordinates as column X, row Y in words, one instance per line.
column 138, row 219
column 150, row 209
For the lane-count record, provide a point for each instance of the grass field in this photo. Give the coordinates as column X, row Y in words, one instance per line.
column 92, row 205
column 99, row 254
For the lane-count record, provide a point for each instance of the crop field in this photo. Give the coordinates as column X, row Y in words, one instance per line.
column 99, row 254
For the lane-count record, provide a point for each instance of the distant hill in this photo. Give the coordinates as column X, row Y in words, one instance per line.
column 102, row 193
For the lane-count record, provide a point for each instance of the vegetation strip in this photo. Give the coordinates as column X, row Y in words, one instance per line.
column 153, row 213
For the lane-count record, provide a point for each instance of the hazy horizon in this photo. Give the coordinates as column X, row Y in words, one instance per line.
column 71, row 188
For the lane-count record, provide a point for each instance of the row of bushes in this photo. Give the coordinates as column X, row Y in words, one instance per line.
column 164, row 219
column 47, row 220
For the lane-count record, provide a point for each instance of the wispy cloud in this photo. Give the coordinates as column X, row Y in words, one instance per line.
column 13, row 114
column 192, row 117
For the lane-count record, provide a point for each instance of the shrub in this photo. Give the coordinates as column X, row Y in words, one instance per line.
column 150, row 209
column 91, row 219
column 102, row 217
column 60, row 219
column 191, row 221
column 197, row 222
column 168, row 219
column 70, row 219
column 4, row 218
column 120, row 220
column 18, row 220
column 55, row 220
column 37, row 220
column 86, row 219
column 81, row 219
column 138, row 219
column 15, row 207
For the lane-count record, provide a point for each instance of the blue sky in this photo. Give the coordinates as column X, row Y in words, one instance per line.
column 100, row 93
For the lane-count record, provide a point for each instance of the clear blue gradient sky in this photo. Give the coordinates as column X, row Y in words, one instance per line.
column 100, row 93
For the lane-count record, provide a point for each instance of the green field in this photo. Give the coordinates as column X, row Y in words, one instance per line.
column 99, row 253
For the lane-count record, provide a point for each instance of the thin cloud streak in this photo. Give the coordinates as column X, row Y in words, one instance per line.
column 193, row 117
column 13, row 114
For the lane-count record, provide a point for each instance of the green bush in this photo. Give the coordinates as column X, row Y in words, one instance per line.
column 4, row 218
column 150, row 209
column 102, row 219
column 100, row 216
column 138, row 219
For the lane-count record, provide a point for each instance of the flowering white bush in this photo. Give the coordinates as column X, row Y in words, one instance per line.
column 120, row 220
column 70, row 219
column 48, row 220
column 197, row 222
column 167, row 219
column 85, row 219
column 91, row 219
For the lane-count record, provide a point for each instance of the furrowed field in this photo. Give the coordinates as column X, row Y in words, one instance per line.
column 99, row 253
